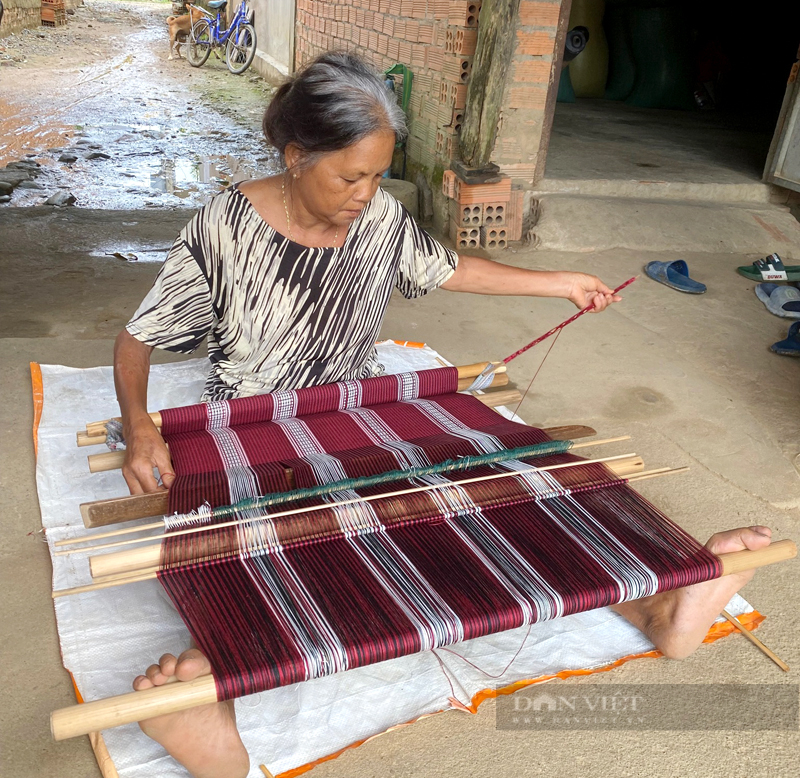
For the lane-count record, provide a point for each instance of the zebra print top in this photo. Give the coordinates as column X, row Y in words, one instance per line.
column 279, row 315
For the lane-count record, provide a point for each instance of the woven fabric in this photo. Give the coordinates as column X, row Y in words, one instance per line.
column 273, row 443
column 352, row 582
column 310, row 400
column 364, row 591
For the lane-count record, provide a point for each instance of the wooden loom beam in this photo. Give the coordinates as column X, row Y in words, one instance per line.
column 149, row 557
column 173, row 697
column 101, row 513
column 490, row 399
column 113, row 460
column 96, row 430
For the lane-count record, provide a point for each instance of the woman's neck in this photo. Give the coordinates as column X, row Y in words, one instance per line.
column 301, row 219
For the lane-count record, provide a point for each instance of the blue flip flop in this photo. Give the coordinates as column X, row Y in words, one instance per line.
column 780, row 299
column 790, row 347
column 674, row 275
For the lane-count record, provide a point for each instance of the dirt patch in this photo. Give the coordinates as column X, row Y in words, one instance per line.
column 144, row 131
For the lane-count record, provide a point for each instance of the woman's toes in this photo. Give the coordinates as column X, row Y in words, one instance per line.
column 191, row 664
column 167, row 663
column 141, row 682
column 739, row 539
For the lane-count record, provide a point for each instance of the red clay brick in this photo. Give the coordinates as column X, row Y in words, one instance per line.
column 533, row 71
column 535, row 43
column 526, row 97
column 464, row 13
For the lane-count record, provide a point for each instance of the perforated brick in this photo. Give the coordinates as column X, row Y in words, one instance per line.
column 494, row 214
column 465, row 237
column 464, row 13
column 467, row 215
column 449, row 183
column 494, row 237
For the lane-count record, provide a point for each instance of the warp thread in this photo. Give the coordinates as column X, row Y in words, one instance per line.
column 549, row 448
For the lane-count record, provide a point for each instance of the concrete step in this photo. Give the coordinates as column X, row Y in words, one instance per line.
column 588, row 224
column 750, row 192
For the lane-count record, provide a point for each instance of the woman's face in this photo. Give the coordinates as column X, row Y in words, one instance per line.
column 339, row 186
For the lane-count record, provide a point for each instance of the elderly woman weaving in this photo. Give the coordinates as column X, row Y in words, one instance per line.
column 289, row 278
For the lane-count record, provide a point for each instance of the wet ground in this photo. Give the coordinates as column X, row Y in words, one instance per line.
column 110, row 120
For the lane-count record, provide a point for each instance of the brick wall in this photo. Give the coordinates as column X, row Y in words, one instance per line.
column 436, row 39
column 20, row 14
column 517, row 150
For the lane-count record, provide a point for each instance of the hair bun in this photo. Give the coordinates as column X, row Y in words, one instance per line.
column 333, row 102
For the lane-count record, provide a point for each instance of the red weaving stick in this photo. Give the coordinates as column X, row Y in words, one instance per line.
column 562, row 325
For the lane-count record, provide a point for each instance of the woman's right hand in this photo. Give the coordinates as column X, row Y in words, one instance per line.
column 145, row 450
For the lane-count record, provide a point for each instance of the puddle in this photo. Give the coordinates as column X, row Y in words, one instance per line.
column 129, row 253
column 163, row 134
column 139, row 179
column 181, row 177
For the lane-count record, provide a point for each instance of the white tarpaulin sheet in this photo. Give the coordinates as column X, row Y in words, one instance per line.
column 110, row 636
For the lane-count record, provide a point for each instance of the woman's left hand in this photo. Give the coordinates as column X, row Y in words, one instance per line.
column 583, row 290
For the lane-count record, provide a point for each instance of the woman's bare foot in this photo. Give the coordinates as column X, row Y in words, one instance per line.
column 203, row 739
column 677, row 621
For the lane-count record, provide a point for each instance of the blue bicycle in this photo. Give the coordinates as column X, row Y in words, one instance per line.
column 239, row 39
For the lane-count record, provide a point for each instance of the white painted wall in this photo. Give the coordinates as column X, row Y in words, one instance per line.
column 274, row 23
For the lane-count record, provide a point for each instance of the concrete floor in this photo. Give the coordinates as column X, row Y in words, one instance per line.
column 608, row 139
column 690, row 378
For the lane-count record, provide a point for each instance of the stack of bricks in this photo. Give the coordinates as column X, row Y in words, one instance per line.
column 486, row 215
column 54, row 13
column 435, row 39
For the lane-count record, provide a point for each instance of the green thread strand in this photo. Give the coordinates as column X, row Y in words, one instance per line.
column 548, row 448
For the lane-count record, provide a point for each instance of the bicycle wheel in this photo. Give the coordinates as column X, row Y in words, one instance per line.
column 199, row 46
column 241, row 48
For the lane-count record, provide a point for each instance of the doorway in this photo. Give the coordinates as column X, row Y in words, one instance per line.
column 687, row 92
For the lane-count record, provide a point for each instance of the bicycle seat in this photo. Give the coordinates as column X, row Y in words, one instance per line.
column 217, row 5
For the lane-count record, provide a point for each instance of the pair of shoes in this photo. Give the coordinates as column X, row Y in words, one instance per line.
column 675, row 275
column 790, row 347
column 770, row 268
column 780, row 299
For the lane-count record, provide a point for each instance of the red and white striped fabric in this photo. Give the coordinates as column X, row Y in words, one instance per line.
column 293, row 598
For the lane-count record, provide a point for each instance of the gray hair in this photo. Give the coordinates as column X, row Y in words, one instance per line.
column 332, row 103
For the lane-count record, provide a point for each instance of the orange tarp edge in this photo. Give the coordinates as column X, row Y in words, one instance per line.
column 38, row 402
column 748, row 620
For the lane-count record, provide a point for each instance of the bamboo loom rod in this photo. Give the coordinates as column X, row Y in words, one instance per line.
column 489, row 399
column 154, row 525
column 119, row 562
column 98, row 428
column 113, row 460
column 136, row 574
column 363, row 499
column 101, row 513
column 632, row 470
column 174, row 697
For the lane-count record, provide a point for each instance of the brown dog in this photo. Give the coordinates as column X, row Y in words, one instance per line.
column 179, row 29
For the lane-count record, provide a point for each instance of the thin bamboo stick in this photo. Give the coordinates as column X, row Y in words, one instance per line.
column 155, row 525
column 755, row 641
column 101, row 513
column 100, row 565
column 171, row 698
